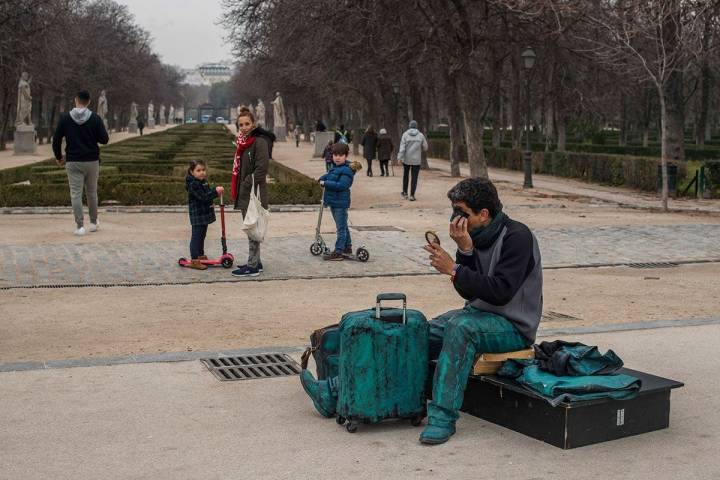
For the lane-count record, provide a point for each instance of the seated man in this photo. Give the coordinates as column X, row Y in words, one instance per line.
column 497, row 270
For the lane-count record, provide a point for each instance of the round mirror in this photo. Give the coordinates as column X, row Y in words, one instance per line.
column 432, row 237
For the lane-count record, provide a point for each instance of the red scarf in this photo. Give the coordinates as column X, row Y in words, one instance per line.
column 243, row 143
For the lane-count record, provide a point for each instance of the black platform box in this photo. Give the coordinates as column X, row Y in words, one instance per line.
column 573, row 424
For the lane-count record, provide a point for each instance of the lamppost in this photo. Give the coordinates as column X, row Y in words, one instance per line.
column 528, row 56
column 396, row 97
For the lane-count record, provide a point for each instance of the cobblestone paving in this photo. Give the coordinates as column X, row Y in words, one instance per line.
column 392, row 253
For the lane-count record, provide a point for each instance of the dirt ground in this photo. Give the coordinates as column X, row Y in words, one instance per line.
column 49, row 324
column 45, row 324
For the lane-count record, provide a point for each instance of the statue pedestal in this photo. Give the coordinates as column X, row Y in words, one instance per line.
column 281, row 134
column 133, row 127
column 162, row 122
column 24, row 142
column 321, row 141
column 151, row 123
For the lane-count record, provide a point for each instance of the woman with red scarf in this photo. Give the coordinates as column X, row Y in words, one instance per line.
column 252, row 159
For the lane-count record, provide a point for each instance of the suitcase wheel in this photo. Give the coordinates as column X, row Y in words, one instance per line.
column 416, row 421
column 351, row 427
column 340, row 420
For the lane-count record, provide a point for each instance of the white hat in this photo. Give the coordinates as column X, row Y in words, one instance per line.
column 383, row 131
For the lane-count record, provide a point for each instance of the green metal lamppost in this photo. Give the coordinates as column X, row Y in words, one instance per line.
column 528, row 56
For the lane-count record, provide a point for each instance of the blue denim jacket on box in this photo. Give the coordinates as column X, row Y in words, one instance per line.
column 337, row 185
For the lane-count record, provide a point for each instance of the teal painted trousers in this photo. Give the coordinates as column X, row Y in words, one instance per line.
column 456, row 338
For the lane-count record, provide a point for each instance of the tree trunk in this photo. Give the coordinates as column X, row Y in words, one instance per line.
column 455, row 126
column 496, row 65
column 516, row 117
column 672, row 122
column 471, row 106
column 622, row 137
column 561, row 134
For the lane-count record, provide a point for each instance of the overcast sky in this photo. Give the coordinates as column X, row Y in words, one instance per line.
column 183, row 31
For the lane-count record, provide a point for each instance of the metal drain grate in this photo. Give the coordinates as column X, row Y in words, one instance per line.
column 377, row 228
column 653, row 265
column 558, row 317
column 248, row 367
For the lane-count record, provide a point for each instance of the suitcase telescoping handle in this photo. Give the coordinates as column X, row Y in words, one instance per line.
column 388, row 297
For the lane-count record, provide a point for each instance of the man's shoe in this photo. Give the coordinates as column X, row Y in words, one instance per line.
column 334, row 257
column 196, row 264
column 246, row 271
column 94, row 226
column 435, row 435
column 80, row 231
column 412, row 198
column 319, row 391
column 404, row 195
column 348, row 250
column 260, row 267
column 202, row 257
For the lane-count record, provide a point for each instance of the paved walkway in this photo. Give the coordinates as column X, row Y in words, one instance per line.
column 8, row 159
column 392, row 253
column 617, row 195
column 175, row 420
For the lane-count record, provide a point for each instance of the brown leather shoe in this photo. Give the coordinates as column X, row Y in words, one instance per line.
column 348, row 251
column 202, row 257
column 334, row 257
column 197, row 265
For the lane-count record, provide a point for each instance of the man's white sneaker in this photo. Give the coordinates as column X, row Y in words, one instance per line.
column 80, row 231
column 94, row 226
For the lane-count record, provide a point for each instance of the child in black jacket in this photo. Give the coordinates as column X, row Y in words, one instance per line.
column 200, row 206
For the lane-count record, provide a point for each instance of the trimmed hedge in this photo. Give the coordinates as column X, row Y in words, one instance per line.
column 615, row 170
column 151, row 171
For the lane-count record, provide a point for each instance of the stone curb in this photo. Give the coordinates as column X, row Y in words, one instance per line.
column 141, row 209
column 192, row 356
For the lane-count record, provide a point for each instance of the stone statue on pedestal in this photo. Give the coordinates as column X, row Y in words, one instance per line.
column 102, row 109
column 151, row 115
column 162, row 115
column 133, row 123
column 24, row 102
column 279, row 125
column 24, row 138
column 171, row 115
column 260, row 113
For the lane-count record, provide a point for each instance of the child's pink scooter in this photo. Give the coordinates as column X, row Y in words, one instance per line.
column 226, row 259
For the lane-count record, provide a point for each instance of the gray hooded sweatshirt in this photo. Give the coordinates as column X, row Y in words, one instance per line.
column 412, row 144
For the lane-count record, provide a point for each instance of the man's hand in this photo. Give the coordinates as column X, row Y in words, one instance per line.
column 61, row 162
column 440, row 259
column 459, row 233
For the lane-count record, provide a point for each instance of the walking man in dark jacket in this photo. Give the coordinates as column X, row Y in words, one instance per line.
column 82, row 131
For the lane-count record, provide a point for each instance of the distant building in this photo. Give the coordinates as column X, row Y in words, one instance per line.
column 208, row 73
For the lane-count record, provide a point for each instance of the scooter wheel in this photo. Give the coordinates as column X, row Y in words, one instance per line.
column 351, row 427
column 227, row 262
column 316, row 249
column 362, row 255
column 340, row 420
column 181, row 261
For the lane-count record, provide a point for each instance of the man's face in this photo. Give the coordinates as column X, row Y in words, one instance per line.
column 474, row 220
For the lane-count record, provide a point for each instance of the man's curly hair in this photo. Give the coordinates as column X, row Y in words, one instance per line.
column 477, row 193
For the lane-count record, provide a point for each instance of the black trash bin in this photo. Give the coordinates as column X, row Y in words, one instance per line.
column 672, row 172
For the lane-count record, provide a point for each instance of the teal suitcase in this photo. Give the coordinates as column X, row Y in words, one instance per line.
column 383, row 364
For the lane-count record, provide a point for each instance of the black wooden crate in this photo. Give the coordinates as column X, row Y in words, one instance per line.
column 571, row 424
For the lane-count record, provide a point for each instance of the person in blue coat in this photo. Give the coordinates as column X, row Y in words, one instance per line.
column 337, row 183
